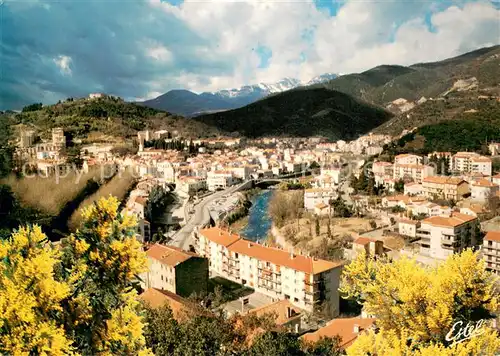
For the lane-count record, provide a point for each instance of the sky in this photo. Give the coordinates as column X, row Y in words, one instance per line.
column 51, row 50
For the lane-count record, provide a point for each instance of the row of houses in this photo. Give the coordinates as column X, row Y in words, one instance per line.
column 454, row 188
column 414, row 168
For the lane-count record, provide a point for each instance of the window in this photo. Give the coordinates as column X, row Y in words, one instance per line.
column 490, row 243
column 236, row 255
column 287, row 296
column 162, row 277
column 296, row 300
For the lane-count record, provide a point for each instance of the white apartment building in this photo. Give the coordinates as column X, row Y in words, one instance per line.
column 331, row 172
column 189, row 186
column 415, row 172
column 174, row 270
column 441, row 236
column 496, row 179
column 470, row 162
column 219, row 180
column 380, row 168
column 491, row 251
column 408, row 159
column 482, row 190
column 242, row 172
column 314, row 196
column 445, row 187
column 166, row 170
column 304, row 281
column 413, row 188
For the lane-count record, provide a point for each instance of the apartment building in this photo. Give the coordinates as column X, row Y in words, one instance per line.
column 380, row 168
column 332, row 172
column 219, row 180
column 482, row 190
column 415, row 172
column 175, row 270
column 189, row 186
column 445, row 187
column 410, row 159
column 413, row 189
column 491, row 251
column 471, row 162
column 441, row 236
column 305, row 281
column 496, row 179
column 314, row 196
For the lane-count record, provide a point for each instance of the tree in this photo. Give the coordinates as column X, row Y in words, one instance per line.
column 362, row 182
column 399, row 186
column 74, row 157
column 161, row 330
column 101, row 262
column 325, row 346
column 276, row 343
column 354, row 184
column 30, row 296
column 317, row 227
column 32, row 107
column 416, row 306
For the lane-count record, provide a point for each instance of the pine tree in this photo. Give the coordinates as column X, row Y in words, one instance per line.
column 317, row 227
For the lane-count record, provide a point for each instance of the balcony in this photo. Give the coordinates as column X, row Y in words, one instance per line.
column 450, row 245
column 262, row 269
column 269, row 278
column 270, row 286
column 490, row 251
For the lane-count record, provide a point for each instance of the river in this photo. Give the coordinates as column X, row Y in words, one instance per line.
column 259, row 221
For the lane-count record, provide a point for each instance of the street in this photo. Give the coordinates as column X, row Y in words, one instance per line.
column 200, row 217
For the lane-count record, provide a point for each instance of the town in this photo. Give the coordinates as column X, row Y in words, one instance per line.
column 358, row 200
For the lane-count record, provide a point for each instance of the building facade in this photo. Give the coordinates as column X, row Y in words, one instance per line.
column 491, row 251
column 175, row 270
column 306, row 282
column 442, row 236
column 315, row 196
column 451, row 188
column 219, row 180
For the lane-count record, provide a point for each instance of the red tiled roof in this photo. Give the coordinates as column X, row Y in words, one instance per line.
column 282, row 258
column 169, row 255
column 493, row 236
column 343, row 327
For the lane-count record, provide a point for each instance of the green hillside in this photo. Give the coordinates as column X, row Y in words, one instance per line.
column 464, row 131
column 387, row 83
column 301, row 112
column 106, row 118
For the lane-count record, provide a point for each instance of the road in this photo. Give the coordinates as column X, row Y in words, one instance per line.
column 199, row 218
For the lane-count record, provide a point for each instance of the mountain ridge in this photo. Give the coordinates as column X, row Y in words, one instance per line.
column 187, row 103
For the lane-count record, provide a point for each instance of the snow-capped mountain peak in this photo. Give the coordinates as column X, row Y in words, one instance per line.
column 322, row 78
column 264, row 89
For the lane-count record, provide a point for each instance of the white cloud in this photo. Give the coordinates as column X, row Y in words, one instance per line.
column 362, row 35
column 63, row 62
column 160, row 53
